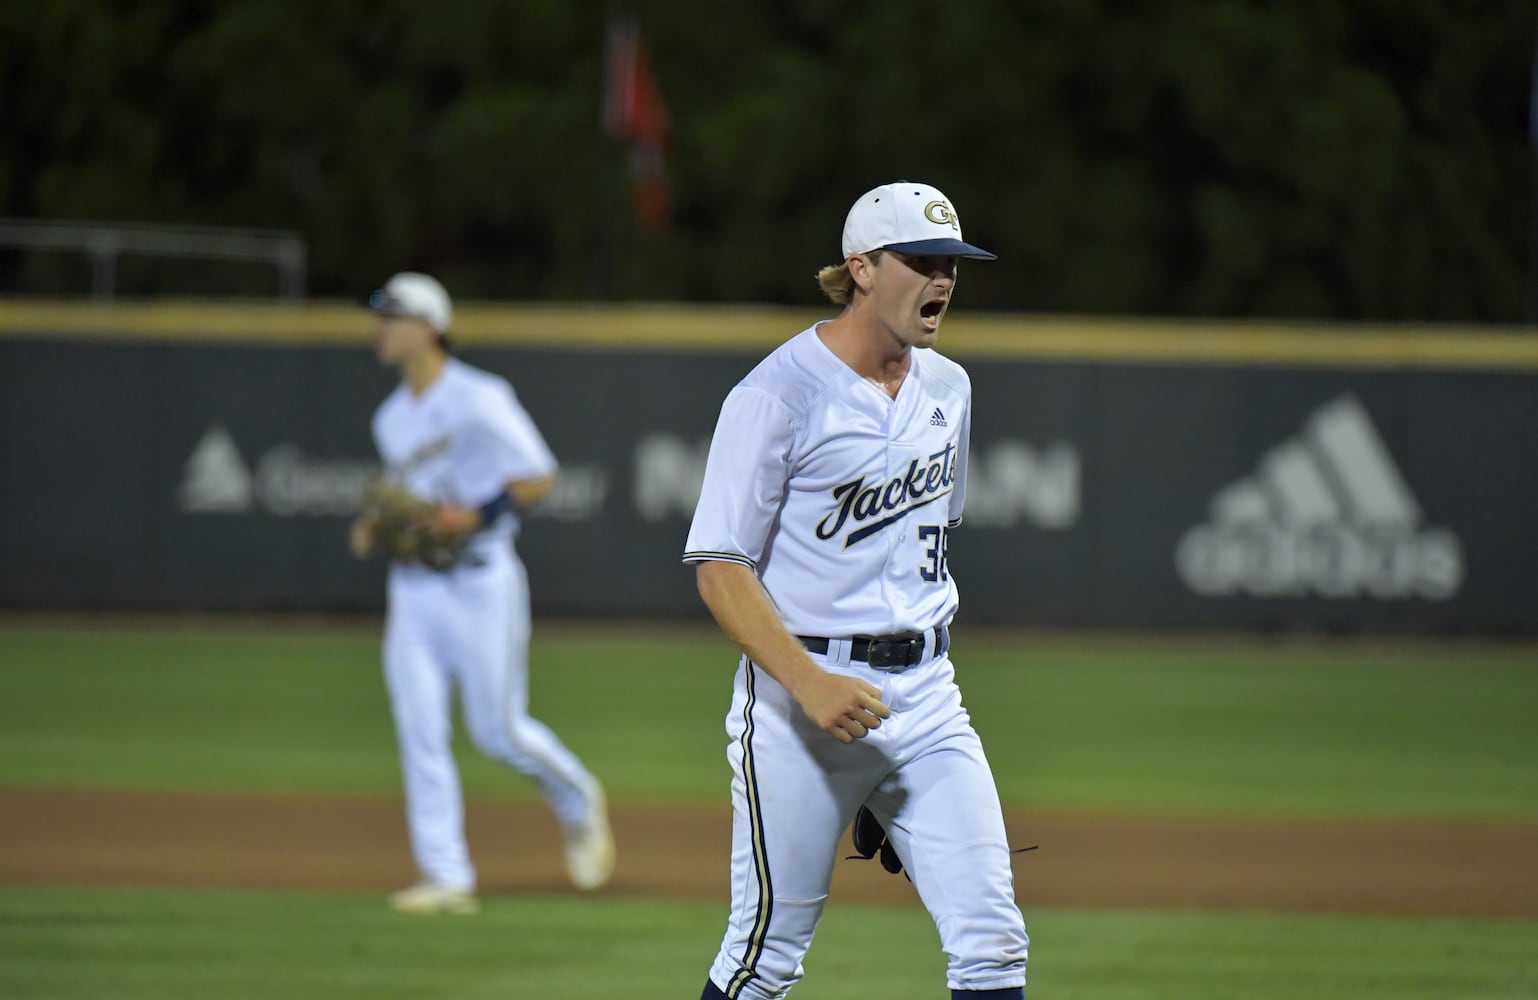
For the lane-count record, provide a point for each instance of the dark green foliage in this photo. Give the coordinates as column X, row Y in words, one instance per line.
column 1317, row 159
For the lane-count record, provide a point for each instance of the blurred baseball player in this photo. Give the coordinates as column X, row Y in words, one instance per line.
column 457, row 435
column 838, row 467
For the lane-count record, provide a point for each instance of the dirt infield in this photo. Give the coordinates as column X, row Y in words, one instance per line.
column 118, row 838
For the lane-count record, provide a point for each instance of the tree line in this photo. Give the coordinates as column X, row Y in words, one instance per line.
column 1365, row 160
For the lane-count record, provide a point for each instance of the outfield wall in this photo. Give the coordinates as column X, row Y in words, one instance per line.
column 1124, row 475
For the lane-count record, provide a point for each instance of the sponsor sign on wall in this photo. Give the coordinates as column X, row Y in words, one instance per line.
column 1101, row 495
column 1326, row 513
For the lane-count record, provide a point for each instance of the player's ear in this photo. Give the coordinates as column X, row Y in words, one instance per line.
column 862, row 268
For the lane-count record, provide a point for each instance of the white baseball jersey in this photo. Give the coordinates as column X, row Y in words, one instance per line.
column 838, row 495
column 461, row 442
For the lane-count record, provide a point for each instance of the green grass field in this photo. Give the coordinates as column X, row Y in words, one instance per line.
column 1181, row 727
column 1174, row 727
column 151, row 945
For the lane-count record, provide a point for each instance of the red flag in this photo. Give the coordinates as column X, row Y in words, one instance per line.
column 635, row 114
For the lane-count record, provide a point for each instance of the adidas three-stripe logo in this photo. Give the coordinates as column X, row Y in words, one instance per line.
column 937, row 419
column 1327, row 514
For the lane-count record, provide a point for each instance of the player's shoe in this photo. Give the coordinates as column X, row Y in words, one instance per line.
column 590, row 845
column 434, row 897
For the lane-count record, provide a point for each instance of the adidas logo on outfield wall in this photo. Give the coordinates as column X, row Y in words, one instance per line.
column 1327, row 514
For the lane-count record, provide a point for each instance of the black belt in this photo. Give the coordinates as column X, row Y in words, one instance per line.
column 886, row 652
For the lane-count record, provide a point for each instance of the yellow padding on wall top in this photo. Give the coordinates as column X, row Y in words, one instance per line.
column 755, row 329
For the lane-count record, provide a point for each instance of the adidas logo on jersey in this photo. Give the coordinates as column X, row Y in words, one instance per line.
column 937, row 419
column 1327, row 514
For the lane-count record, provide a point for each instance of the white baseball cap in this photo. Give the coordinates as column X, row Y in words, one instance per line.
column 909, row 218
column 410, row 293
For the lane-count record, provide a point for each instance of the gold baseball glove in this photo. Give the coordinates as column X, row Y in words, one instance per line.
column 405, row 526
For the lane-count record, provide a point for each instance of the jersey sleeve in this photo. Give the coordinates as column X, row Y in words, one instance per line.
column 745, row 478
column 374, row 431
column 507, row 442
column 963, row 449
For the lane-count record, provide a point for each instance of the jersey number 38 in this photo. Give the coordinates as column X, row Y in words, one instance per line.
column 933, row 570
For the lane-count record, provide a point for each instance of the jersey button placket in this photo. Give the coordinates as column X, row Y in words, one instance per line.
column 892, row 579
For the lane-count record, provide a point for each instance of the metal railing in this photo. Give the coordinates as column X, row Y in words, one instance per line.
column 105, row 242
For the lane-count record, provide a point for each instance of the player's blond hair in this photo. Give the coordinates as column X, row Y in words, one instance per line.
column 837, row 283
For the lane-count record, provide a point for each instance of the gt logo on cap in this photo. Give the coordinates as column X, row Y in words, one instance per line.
column 902, row 217
column 940, row 214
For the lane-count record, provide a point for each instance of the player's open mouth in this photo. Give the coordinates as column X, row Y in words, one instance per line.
column 930, row 312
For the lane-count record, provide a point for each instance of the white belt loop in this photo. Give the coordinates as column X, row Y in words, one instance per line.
column 838, row 651
column 932, row 639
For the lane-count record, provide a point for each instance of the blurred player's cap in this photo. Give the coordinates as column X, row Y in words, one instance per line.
column 412, row 294
column 909, row 218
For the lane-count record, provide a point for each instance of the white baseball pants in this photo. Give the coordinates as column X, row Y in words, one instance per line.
column 467, row 628
column 795, row 790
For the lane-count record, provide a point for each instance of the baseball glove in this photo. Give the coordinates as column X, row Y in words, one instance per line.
column 405, row 526
column 870, row 840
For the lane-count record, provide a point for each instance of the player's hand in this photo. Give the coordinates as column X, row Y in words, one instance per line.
column 360, row 538
column 452, row 520
column 845, row 708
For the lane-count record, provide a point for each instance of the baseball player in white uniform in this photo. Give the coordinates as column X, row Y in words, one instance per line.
column 457, row 435
column 837, row 470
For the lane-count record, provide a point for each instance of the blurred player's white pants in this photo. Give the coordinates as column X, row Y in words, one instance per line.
column 795, row 789
column 467, row 628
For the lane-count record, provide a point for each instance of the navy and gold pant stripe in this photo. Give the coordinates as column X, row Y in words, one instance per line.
column 755, row 947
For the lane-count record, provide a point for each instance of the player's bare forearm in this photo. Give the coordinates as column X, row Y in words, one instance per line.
column 524, row 493
column 742, row 608
column 528, row 492
column 360, row 537
column 844, row 707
